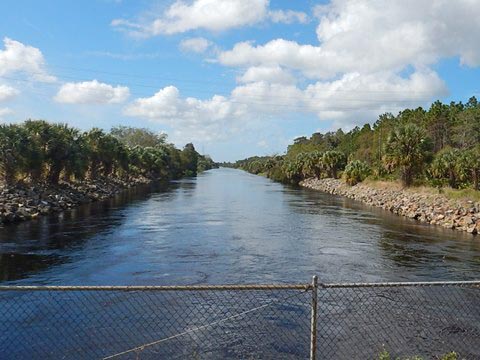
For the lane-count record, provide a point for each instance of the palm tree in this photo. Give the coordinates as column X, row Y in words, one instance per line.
column 59, row 150
column 407, row 149
column 356, row 171
column 447, row 165
column 38, row 133
column 333, row 161
column 13, row 154
column 312, row 164
column 468, row 167
column 293, row 170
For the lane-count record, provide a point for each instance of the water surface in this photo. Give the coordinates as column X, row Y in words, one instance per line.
column 228, row 226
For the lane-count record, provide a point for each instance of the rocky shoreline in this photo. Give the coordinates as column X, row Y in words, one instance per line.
column 435, row 209
column 25, row 202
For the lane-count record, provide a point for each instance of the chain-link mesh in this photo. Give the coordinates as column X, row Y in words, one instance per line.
column 354, row 321
column 152, row 324
column 424, row 320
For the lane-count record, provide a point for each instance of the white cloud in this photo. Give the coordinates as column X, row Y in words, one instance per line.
column 196, row 45
column 17, row 57
column 371, row 57
column 213, row 15
column 5, row 111
column 350, row 100
column 7, row 92
column 91, row 92
column 307, row 58
column 288, row 16
column 272, row 74
column 370, row 36
column 189, row 118
column 268, row 98
column 412, row 31
column 355, row 98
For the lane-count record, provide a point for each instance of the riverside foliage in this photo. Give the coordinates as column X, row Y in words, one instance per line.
column 439, row 146
column 39, row 151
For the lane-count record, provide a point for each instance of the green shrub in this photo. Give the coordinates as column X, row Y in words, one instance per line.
column 356, row 172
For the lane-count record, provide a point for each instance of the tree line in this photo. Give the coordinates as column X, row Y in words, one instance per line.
column 38, row 151
column 438, row 147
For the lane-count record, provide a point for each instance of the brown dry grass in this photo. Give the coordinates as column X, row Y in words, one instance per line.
column 462, row 195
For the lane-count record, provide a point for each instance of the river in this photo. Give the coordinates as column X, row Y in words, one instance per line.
column 226, row 227
column 229, row 227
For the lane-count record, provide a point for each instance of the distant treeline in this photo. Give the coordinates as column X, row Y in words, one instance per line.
column 439, row 146
column 39, row 151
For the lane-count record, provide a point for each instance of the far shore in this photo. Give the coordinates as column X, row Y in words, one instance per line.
column 426, row 205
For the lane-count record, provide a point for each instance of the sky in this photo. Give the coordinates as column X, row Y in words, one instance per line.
column 235, row 77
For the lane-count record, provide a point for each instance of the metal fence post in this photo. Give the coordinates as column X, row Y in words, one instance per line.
column 313, row 320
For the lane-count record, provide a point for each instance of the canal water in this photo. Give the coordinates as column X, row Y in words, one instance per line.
column 227, row 227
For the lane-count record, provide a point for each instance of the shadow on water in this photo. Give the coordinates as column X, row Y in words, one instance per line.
column 30, row 247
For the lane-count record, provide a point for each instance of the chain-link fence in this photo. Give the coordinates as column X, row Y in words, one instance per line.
column 246, row 322
column 404, row 320
column 352, row 321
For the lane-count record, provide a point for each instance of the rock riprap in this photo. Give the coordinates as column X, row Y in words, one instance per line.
column 25, row 202
column 435, row 209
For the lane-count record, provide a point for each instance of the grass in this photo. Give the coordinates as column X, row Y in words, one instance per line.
column 447, row 192
column 385, row 355
column 461, row 194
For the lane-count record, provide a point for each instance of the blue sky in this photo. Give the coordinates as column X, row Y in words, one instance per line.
column 235, row 77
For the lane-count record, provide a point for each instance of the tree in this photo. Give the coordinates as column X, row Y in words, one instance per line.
column 446, row 166
column 13, row 146
column 293, row 170
column 312, row 164
column 190, row 160
column 438, row 125
column 356, row 171
column 333, row 161
column 407, row 149
column 132, row 137
column 469, row 167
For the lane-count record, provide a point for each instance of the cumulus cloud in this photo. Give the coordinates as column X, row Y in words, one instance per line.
column 18, row 57
column 7, row 92
column 288, row 16
column 426, row 30
column 272, row 74
column 189, row 117
column 371, row 57
column 196, row 45
column 91, row 92
column 351, row 100
column 356, row 98
column 371, row 36
column 308, row 59
column 213, row 15
column 262, row 97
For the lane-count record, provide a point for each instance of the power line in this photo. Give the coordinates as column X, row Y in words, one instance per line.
column 337, row 102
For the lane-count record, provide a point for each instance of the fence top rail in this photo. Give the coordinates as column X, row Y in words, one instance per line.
column 402, row 284
column 304, row 287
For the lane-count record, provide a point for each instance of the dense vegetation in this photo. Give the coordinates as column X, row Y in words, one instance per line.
column 38, row 151
column 439, row 146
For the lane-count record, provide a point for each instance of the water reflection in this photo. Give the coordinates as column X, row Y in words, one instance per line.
column 30, row 247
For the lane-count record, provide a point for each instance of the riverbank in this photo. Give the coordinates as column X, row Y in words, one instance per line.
column 424, row 205
column 24, row 202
